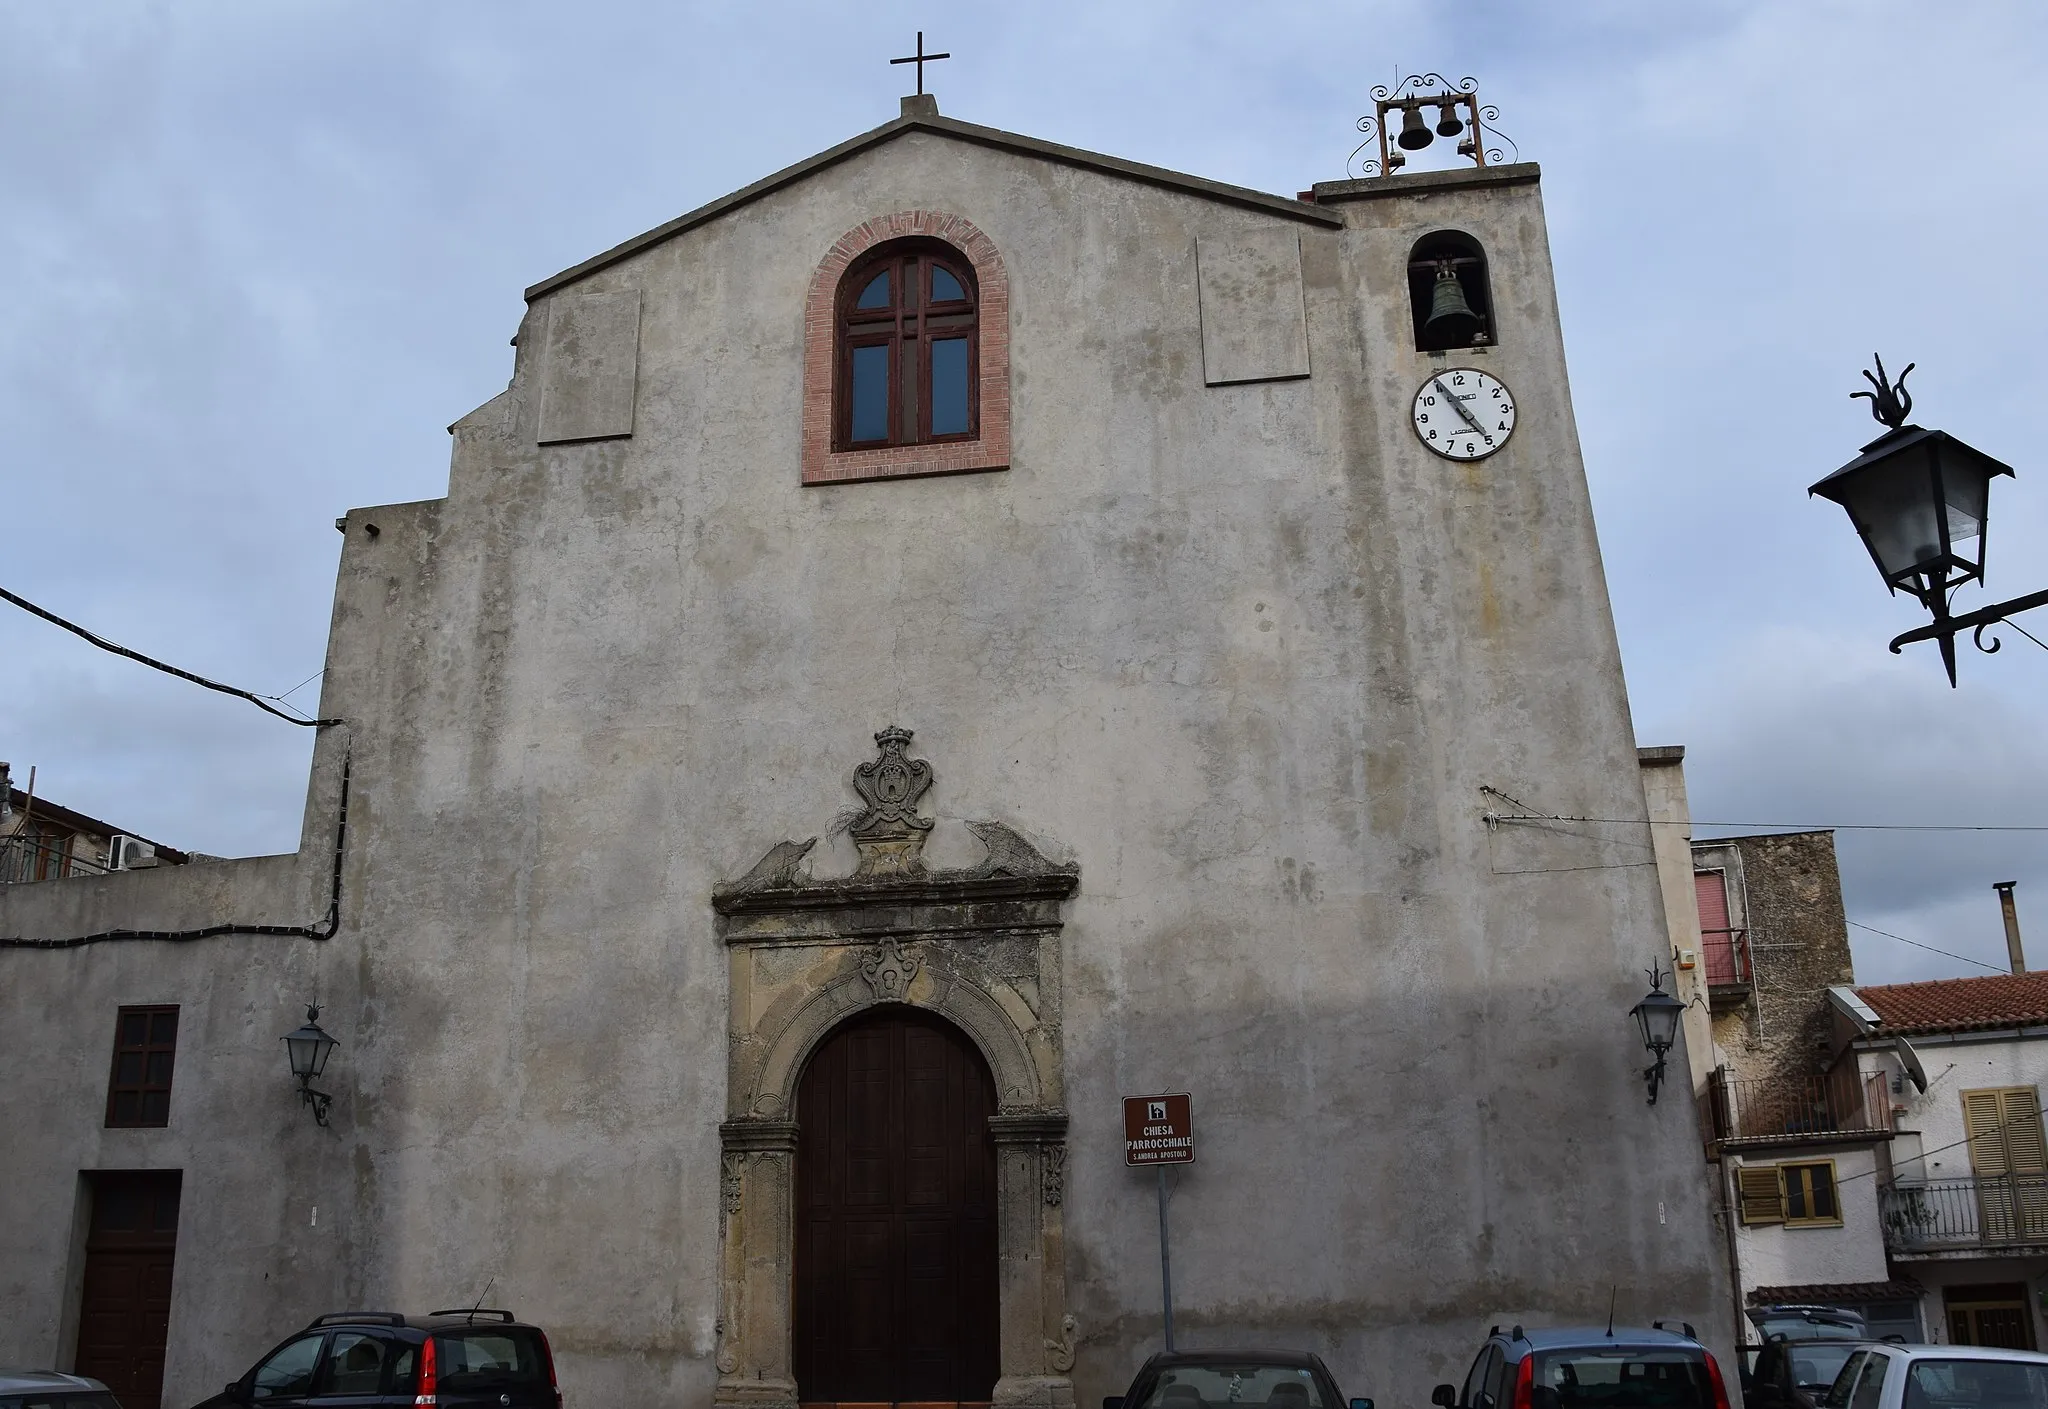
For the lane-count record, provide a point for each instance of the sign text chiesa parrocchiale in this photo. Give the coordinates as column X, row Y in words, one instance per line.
column 1159, row 1130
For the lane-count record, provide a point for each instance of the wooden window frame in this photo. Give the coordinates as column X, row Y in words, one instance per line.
column 142, row 1088
column 825, row 456
column 1811, row 1220
column 908, row 326
column 1763, row 1195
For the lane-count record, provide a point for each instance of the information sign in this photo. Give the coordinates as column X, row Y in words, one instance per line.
column 1158, row 1130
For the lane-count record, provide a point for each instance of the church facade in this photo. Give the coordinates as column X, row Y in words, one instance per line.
column 952, row 635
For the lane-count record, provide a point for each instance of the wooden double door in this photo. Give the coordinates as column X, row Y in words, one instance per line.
column 895, row 1295
column 125, row 1311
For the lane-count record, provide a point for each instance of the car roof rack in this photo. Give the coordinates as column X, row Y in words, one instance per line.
column 381, row 1318
column 472, row 1312
column 1685, row 1326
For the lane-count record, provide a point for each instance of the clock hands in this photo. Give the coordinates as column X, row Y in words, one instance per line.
column 1458, row 406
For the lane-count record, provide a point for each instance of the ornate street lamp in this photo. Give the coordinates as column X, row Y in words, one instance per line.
column 1657, row 1015
column 1920, row 501
column 308, row 1048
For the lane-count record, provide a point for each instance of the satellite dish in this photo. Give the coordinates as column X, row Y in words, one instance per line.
column 1910, row 1060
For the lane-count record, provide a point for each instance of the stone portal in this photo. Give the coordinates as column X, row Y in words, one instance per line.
column 976, row 950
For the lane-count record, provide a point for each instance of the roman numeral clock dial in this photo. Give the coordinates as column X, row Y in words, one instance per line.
column 1463, row 414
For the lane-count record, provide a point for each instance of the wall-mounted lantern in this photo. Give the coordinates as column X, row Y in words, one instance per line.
column 1657, row 1015
column 1920, row 501
column 309, row 1048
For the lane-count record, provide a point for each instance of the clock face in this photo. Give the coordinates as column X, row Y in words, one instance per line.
column 1463, row 414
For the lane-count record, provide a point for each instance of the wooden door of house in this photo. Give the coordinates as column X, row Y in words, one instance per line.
column 1993, row 1313
column 895, row 1296
column 125, row 1315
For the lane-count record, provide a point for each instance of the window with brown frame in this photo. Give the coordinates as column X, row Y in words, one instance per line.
column 1797, row 1195
column 139, row 1091
column 908, row 354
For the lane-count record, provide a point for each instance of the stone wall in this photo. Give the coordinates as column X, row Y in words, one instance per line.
column 1791, row 896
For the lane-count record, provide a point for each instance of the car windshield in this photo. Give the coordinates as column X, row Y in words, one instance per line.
column 501, row 1355
column 1247, row 1383
column 59, row 1399
column 1622, row 1379
column 1976, row 1384
column 1816, row 1363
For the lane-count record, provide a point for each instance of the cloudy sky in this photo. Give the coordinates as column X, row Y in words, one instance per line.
column 256, row 256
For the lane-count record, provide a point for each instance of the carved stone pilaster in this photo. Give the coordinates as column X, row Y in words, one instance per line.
column 757, row 1161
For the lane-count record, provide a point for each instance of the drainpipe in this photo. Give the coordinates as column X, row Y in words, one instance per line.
column 2012, row 925
column 1727, row 1180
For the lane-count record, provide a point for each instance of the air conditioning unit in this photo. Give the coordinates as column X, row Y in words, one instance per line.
column 130, row 854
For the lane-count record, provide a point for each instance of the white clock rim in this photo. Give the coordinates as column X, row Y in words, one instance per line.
column 1443, row 452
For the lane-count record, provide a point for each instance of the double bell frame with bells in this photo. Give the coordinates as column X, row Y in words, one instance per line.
column 1452, row 321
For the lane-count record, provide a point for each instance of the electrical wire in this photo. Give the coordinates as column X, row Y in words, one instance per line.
column 1788, row 826
column 104, row 644
column 1928, row 947
column 1956, row 1145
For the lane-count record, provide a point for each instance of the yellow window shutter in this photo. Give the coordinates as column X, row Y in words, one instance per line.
column 2020, row 1113
column 1984, row 1124
column 1760, row 1189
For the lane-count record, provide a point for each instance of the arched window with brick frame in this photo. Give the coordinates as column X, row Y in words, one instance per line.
column 906, row 349
column 941, row 352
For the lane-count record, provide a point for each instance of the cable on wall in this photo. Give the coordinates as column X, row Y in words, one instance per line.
column 324, row 929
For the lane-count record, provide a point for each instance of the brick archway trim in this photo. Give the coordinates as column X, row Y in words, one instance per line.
column 821, row 465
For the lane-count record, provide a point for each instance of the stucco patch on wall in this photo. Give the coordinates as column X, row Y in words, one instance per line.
column 591, row 369
column 1254, row 323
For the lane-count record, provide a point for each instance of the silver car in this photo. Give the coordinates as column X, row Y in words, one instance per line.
column 1940, row 1377
column 46, row 1389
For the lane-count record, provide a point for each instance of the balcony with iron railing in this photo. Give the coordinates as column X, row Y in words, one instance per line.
column 39, row 856
column 1725, row 954
column 1842, row 1107
column 2000, row 1213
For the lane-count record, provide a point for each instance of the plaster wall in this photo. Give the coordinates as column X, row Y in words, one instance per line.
column 1946, row 1278
column 1671, row 842
column 1931, row 1143
column 1246, row 654
column 1774, row 1255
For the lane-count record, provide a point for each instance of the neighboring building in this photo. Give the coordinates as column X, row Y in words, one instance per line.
column 1773, row 939
column 1964, row 1206
column 40, row 841
column 1758, row 937
column 1117, row 487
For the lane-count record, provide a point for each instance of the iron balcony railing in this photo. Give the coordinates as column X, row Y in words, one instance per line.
column 1727, row 956
column 34, row 857
column 1946, row 1215
column 1788, row 1110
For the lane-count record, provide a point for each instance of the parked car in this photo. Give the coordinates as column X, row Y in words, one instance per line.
column 46, row 1389
column 381, row 1360
column 1797, row 1374
column 1887, row 1376
column 1805, row 1323
column 1586, row 1367
column 1217, row 1379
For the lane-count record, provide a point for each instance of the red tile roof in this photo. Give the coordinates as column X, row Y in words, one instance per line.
column 1835, row 1293
column 1961, row 1004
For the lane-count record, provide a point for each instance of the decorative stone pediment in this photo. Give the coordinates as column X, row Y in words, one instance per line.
column 1013, row 884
